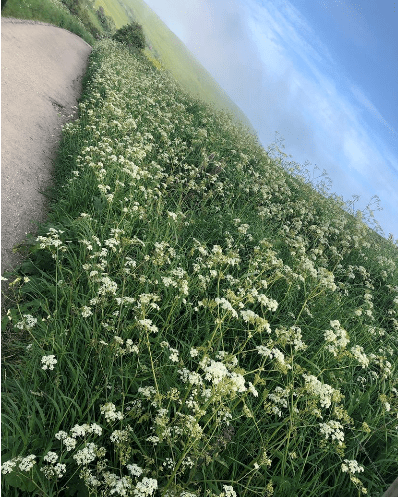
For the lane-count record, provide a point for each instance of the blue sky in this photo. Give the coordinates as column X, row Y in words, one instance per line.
column 322, row 73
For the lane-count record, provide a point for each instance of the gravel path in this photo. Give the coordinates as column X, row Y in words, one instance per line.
column 41, row 79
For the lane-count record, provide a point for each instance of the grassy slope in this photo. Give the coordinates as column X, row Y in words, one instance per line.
column 132, row 112
column 119, row 96
column 113, row 9
column 174, row 55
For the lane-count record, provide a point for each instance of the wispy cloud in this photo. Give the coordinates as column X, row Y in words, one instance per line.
column 351, row 21
column 370, row 107
column 344, row 140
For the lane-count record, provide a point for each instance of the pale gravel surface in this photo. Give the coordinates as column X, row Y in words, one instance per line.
column 42, row 67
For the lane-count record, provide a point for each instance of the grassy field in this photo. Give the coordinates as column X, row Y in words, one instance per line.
column 195, row 318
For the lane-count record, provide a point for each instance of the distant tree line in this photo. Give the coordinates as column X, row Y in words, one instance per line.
column 106, row 21
column 81, row 8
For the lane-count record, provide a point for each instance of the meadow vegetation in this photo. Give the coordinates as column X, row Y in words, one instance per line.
column 77, row 16
column 195, row 318
column 166, row 47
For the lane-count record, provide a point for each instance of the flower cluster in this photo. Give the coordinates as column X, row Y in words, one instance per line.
column 333, row 429
column 336, row 339
column 48, row 362
column 324, row 392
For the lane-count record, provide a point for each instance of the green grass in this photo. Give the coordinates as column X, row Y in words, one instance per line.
column 83, row 21
column 51, row 11
column 209, row 322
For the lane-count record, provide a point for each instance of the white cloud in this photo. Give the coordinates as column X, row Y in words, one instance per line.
column 367, row 104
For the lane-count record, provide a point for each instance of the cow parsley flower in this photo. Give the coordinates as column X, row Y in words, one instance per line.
column 85, row 455
column 48, row 362
column 58, row 470
column 228, row 491
column 27, row 463
column 264, row 351
column 146, row 487
column 51, row 457
column 351, row 466
column 134, row 469
column 110, row 413
column 147, row 324
column 226, row 305
column 27, row 323
column 86, row 311
column 174, row 355
column 8, row 467
column 334, row 429
column 325, row 392
column 360, row 356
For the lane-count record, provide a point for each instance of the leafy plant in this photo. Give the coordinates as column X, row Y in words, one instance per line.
column 131, row 35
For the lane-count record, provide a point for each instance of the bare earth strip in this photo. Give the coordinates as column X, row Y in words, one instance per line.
column 41, row 79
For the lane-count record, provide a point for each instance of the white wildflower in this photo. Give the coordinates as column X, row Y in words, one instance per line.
column 110, row 413
column 8, row 467
column 48, row 362
column 27, row 463
column 85, row 455
column 86, row 311
column 351, row 466
column 146, row 487
column 147, row 324
column 228, row 491
column 334, row 429
column 134, row 469
column 360, row 356
column 51, row 457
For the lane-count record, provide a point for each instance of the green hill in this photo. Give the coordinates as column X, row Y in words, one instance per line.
column 174, row 55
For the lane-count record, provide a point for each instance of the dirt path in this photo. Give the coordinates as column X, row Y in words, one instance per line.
column 41, row 79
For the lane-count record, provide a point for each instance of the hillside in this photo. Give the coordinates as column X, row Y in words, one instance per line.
column 174, row 55
column 192, row 320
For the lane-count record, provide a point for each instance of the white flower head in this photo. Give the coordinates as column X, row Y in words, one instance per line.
column 351, row 466
column 134, row 469
column 110, row 413
column 48, row 362
column 51, row 457
column 228, row 491
column 27, row 463
column 146, row 487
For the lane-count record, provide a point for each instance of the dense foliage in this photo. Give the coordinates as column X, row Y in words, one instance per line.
column 131, row 35
column 106, row 21
column 193, row 320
